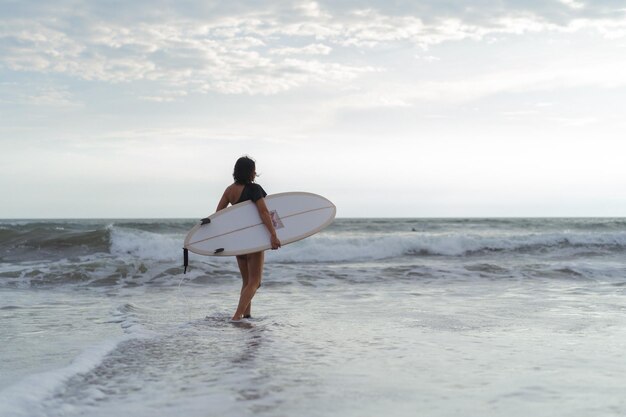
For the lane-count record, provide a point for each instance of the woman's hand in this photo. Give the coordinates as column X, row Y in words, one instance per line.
column 267, row 220
column 275, row 242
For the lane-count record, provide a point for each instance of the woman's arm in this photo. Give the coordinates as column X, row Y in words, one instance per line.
column 267, row 221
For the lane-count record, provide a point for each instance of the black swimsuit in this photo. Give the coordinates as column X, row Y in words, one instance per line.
column 251, row 191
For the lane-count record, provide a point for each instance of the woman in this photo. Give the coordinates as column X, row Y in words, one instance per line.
column 250, row 265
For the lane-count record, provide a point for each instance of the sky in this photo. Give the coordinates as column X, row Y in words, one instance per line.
column 118, row 109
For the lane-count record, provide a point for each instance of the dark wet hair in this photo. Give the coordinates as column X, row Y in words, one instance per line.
column 244, row 167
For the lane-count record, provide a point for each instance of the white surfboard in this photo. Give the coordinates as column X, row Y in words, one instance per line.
column 238, row 229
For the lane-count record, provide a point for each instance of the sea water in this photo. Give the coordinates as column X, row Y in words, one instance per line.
column 399, row 317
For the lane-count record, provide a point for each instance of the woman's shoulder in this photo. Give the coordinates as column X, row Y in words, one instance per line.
column 256, row 186
column 234, row 186
column 228, row 189
column 256, row 191
column 231, row 191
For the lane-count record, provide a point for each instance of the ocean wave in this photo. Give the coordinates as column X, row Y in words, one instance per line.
column 335, row 257
column 26, row 397
column 132, row 241
column 34, row 394
column 146, row 245
column 327, row 248
column 52, row 240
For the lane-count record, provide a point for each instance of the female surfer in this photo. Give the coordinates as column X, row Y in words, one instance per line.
column 251, row 265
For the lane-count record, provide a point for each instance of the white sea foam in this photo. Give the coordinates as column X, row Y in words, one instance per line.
column 25, row 398
column 28, row 397
column 329, row 247
column 146, row 245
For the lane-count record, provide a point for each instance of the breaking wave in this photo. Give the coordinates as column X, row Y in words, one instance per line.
column 162, row 242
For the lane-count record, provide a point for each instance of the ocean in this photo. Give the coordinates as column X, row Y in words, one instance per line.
column 370, row 317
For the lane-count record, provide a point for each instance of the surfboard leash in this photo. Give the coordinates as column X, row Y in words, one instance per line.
column 203, row 221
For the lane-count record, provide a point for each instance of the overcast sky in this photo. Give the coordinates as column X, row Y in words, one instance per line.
column 389, row 108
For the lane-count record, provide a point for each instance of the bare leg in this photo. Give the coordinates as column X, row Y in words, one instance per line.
column 242, row 262
column 255, row 273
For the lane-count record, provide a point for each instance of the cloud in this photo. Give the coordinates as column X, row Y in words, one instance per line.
column 529, row 79
column 230, row 57
column 573, row 4
column 238, row 48
column 164, row 96
column 312, row 49
column 33, row 94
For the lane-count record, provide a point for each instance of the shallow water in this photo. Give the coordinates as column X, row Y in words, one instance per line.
column 512, row 330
